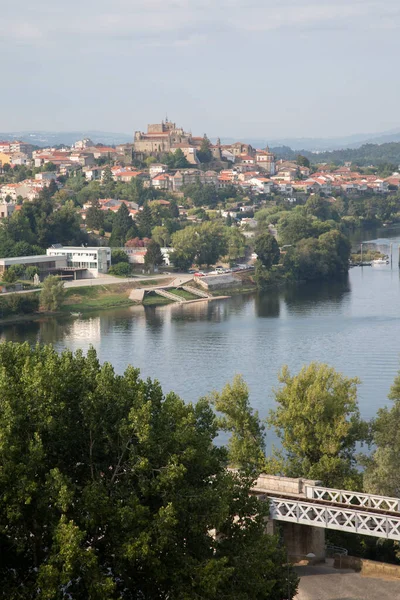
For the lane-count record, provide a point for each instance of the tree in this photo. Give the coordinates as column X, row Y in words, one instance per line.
column 31, row 271
column 381, row 475
column 52, row 294
column 246, row 446
column 123, row 227
column 144, row 221
column 210, row 242
column 94, row 215
column 110, row 489
column 204, row 154
column 153, row 256
column 294, row 226
column 236, row 244
column 9, row 276
column 267, row 249
column 180, row 160
column 302, row 161
column 183, row 243
column 318, row 422
column 119, row 256
column 161, row 235
column 122, row 269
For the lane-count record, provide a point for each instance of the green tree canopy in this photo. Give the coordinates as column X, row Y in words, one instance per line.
column 111, row 490
column 318, row 422
column 153, row 257
column 204, row 154
column 302, row 161
column 119, row 256
column 52, row 294
column 161, row 235
column 382, row 474
column 94, row 215
column 267, row 249
column 144, row 221
column 246, row 446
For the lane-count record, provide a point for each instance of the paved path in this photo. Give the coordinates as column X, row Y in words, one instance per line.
column 110, row 280
column 325, row 583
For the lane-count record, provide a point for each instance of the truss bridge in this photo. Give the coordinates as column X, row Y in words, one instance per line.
column 306, row 503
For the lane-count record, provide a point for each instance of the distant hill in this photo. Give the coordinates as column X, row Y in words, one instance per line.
column 54, row 138
column 322, row 144
column 367, row 154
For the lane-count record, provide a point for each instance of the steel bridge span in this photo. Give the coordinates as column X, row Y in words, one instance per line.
column 304, row 505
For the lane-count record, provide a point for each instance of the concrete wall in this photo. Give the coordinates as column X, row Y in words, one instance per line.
column 271, row 483
column 369, row 568
column 301, row 540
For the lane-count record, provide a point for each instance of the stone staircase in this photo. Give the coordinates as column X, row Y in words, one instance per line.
column 195, row 291
column 170, row 296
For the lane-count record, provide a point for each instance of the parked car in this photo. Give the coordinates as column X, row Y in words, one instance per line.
column 199, row 274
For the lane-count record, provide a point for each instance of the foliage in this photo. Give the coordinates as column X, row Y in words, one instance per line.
column 294, row 226
column 31, row 271
column 382, row 466
column 94, row 216
column 235, row 244
column 122, row 269
column 201, row 194
column 246, row 446
column 267, row 249
column 119, row 256
column 17, row 304
column 52, row 293
column 161, row 235
column 302, row 161
column 327, row 256
column 153, row 257
column 112, row 490
column 175, row 160
column 204, row 154
column 123, row 227
column 318, row 422
column 144, row 221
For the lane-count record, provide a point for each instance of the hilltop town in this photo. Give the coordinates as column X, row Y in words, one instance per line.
column 148, row 198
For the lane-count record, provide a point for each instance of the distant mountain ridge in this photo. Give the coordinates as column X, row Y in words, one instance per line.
column 54, row 138
column 323, row 144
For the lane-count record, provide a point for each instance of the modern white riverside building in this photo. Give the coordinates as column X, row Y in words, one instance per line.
column 96, row 260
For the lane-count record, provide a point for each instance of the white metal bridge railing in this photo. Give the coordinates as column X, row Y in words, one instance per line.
column 353, row 498
column 331, row 517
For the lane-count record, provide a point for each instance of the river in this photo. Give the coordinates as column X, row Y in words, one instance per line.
column 353, row 325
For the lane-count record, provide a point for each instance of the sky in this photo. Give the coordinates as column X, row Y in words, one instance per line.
column 229, row 68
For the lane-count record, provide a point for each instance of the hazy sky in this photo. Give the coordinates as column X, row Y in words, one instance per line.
column 267, row 68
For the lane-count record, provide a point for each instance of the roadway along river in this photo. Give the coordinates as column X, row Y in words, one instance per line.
column 353, row 325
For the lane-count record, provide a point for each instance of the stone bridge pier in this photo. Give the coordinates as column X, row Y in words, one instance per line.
column 299, row 539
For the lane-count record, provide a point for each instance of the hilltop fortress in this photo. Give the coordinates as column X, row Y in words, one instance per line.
column 167, row 137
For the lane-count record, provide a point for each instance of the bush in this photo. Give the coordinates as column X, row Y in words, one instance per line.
column 121, row 269
column 119, row 256
column 16, row 304
column 52, row 294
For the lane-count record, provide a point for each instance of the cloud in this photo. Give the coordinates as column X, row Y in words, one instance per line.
column 177, row 22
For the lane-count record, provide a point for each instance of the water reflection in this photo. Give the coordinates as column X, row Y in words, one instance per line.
column 312, row 297
column 268, row 305
column 353, row 324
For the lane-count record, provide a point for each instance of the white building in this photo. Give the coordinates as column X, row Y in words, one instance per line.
column 97, row 260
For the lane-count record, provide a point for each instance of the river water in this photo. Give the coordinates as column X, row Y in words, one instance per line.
column 353, row 325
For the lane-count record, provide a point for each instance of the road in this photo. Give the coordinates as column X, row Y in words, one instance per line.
column 322, row 582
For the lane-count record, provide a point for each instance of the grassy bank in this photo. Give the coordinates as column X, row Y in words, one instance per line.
column 152, row 299
column 97, row 297
column 183, row 294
